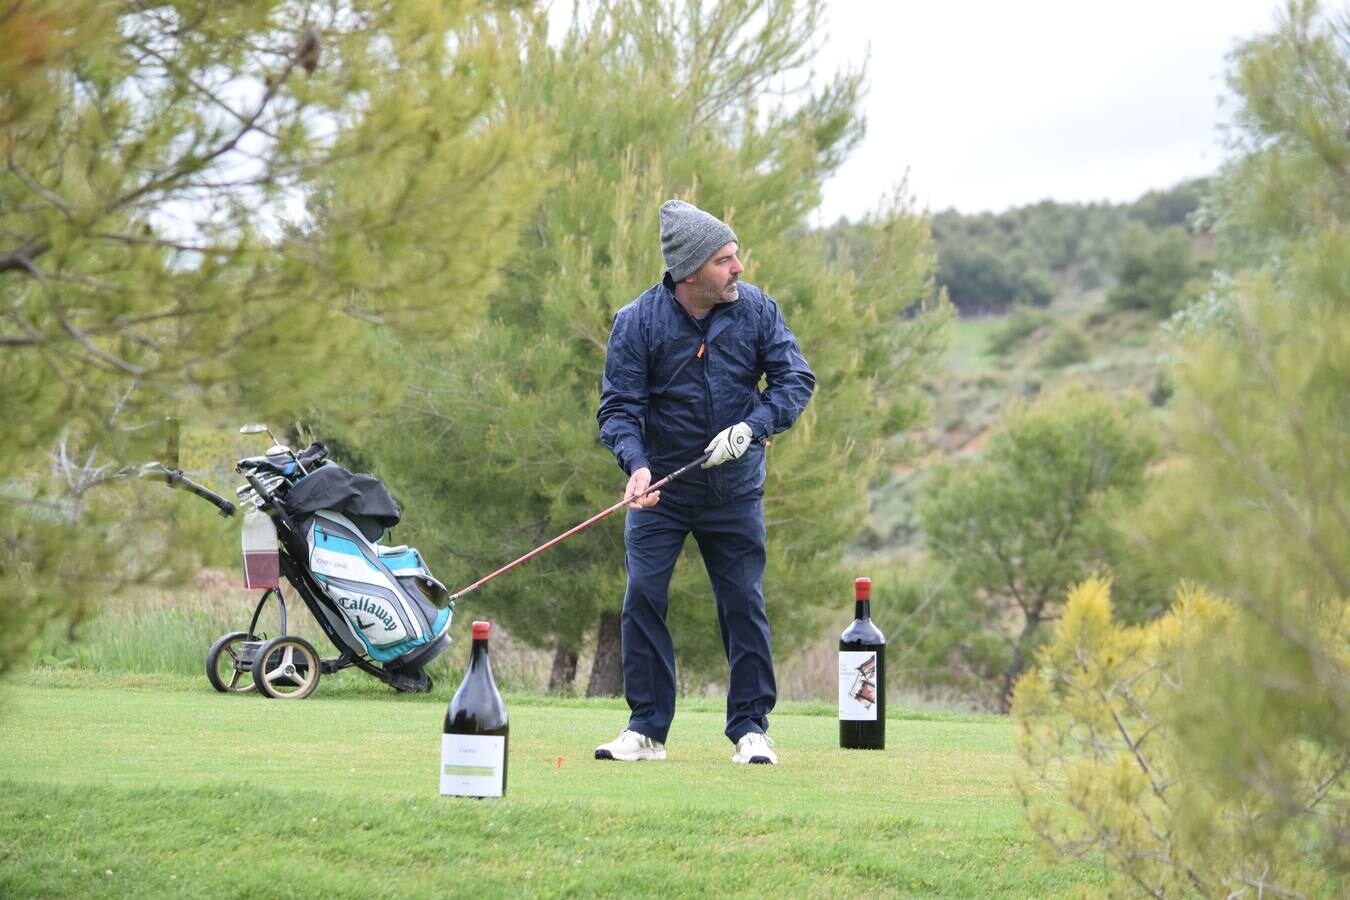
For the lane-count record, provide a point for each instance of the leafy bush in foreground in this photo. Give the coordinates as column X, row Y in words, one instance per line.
column 1108, row 721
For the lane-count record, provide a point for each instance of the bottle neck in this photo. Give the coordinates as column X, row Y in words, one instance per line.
column 478, row 653
column 862, row 609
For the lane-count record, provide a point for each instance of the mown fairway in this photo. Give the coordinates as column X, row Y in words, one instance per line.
column 159, row 786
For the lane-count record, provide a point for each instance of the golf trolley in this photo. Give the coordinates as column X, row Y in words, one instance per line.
column 315, row 524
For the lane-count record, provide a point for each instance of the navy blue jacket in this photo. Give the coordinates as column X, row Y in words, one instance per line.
column 669, row 388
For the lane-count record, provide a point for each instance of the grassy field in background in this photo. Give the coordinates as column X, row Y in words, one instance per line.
column 969, row 351
column 154, row 630
column 168, row 630
column 116, row 786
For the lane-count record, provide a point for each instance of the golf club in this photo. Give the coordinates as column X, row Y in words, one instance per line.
column 583, row 526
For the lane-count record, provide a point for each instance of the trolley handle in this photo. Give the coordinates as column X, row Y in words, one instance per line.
column 225, row 506
column 175, row 478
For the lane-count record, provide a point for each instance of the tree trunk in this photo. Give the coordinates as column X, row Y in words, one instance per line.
column 1019, row 661
column 564, row 670
column 1009, row 679
column 607, row 668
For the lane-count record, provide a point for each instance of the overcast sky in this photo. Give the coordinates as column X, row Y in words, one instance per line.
column 990, row 104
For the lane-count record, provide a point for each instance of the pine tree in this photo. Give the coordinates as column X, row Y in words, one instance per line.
column 1259, row 510
column 214, row 207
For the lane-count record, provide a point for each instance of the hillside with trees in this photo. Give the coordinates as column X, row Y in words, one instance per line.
column 1108, row 277
column 1062, row 358
column 1031, row 255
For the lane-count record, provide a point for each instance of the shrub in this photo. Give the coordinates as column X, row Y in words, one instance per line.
column 1015, row 329
column 1066, row 347
column 1107, row 722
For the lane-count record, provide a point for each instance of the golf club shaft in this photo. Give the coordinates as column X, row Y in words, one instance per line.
column 583, row 526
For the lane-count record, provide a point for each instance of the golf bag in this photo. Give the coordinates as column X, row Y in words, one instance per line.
column 383, row 601
column 316, row 525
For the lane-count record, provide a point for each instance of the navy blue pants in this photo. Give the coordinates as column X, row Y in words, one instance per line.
column 731, row 540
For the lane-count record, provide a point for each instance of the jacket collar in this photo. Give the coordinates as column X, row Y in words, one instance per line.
column 719, row 321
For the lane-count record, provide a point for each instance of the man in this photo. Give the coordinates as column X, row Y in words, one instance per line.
column 684, row 364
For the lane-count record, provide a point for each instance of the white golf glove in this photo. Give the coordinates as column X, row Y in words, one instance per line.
column 729, row 444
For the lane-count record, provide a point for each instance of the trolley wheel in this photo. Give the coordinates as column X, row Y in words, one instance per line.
column 286, row 668
column 229, row 671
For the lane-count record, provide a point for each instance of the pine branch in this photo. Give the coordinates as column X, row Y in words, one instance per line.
column 194, row 163
column 23, row 258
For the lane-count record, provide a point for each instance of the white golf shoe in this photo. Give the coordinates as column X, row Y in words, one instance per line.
column 630, row 746
column 755, row 748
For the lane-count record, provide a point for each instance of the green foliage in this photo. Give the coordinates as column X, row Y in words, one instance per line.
column 1036, row 512
column 1015, row 329
column 1035, row 288
column 1175, row 207
column 1110, row 721
column 1067, row 346
column 1027, row 255
column 1155, row 271
column 211, row 208
column 1249, row 712
column 981, row 278
column 499, row 433
column 1286, row 181
column 976, row 277
column 1260, row 413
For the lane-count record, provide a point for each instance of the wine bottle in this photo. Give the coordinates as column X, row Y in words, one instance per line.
column 862, row 677
column 473, row 747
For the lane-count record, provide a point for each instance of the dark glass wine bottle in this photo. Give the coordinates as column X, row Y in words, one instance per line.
column 862, row 677
column 473, row 748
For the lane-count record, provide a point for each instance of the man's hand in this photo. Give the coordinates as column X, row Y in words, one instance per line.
column 728, row 445
column 638, row 482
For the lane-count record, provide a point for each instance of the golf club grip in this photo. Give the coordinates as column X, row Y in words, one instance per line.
column 582, row 527
column 672, row 476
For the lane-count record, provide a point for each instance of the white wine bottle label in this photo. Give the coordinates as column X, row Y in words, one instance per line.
column 858, row 685
column 472, row 765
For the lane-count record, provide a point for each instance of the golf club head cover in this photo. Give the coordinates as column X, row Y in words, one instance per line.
column 729, row 444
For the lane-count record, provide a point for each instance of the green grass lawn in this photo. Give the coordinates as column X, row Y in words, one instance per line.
column 157, row 786
column 969, row 351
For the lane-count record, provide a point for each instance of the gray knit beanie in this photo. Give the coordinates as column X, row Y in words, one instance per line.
column 689, row 237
